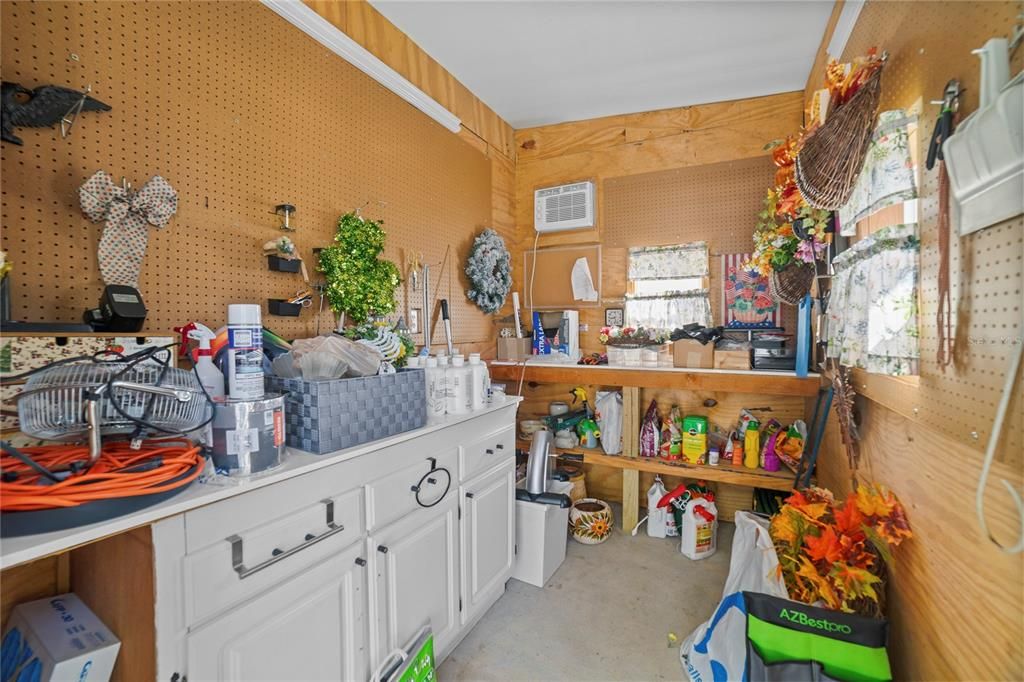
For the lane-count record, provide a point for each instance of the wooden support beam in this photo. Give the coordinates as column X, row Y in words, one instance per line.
column 630, row 498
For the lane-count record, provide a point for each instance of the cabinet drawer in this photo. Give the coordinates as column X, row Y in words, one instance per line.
column 486, row 453
column 253, row 559
column 394, row 496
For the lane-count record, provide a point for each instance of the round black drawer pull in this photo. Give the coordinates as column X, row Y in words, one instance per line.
column 277, row 551
column 360, row 561
column 382, row 549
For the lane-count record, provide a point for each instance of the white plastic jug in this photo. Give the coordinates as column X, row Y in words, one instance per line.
column 655, row 516
column 699, row 530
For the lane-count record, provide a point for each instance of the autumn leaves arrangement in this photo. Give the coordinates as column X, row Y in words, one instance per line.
column 835, row 552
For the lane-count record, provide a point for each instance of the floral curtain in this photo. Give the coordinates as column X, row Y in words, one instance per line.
column 872, row 314
column 887, row 177
column 668, row 262
column 669, row 311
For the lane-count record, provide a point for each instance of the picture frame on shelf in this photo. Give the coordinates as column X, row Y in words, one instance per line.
column 614, row 317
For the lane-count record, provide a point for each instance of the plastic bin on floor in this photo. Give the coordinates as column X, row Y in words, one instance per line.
column 541, row 534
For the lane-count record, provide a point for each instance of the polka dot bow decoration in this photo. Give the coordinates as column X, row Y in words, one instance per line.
column 126, row 213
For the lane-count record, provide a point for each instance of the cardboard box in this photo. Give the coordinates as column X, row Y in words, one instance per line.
column 693, row 354
column 513, row 349
column 59, row 638
column 732, row 359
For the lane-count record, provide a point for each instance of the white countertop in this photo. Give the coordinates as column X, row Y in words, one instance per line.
column 19, row 550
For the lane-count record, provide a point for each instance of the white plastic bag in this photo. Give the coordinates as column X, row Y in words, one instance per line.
column 656, row 516
column 717, row 649
column 609, row 422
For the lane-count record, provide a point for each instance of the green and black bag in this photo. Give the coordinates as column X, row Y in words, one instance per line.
column 790, row 642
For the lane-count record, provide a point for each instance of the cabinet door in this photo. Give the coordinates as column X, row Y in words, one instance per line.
column 417, row 565
column 488, row 536
column 311, row 627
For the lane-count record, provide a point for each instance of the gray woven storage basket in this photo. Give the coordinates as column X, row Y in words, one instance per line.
column 325, row 416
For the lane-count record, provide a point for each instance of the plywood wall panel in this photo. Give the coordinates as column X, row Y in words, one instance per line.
column 196, row 99
column 368, row 27
column 627, row 157
column 917, row 433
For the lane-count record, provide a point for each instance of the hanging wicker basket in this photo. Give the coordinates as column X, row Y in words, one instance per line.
column 832, row 156
column 791, row 283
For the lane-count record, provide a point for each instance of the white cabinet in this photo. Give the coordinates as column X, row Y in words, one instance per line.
column 488, row 537
column 313, row 626
column 321, row 575
column 417, row 573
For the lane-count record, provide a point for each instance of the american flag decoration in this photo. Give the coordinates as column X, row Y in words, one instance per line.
column 746, row 303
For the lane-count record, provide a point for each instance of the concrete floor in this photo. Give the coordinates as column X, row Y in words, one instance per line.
column 604, row 615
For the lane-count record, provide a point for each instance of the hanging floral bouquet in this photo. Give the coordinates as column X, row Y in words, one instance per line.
column 836, row 553
column 632, row 336
column 788, row 229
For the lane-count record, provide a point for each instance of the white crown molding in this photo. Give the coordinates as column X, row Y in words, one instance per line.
column 327, row 34
column 844, row 27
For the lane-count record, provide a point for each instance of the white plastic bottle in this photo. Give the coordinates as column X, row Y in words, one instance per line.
column 245, row 352
column 435, row 390
column 699, row 531
column 442, row 386
column 457, row 387
column 209, row 376
column 479, row 383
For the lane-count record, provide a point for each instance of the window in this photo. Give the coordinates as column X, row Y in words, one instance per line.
column 668, row 286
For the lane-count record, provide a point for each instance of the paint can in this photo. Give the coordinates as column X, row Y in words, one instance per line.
column 248, row 435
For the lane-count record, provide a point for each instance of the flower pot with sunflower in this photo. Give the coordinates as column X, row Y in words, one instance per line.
column 590, row 521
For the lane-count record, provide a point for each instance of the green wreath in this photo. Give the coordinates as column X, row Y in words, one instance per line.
column 489, row 271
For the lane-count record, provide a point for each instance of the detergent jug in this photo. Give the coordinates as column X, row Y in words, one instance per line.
column 699, row 529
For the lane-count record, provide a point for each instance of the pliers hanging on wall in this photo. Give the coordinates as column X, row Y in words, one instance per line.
column 944, row 125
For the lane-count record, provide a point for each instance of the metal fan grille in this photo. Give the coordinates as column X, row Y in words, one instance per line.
column 52, row 405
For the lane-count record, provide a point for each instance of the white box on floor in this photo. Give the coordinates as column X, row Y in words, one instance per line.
column 541, row 534
column 59, row 638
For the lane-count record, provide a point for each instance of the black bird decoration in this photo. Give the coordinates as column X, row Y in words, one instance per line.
column 43, row 107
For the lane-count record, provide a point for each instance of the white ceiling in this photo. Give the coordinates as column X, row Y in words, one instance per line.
column 536, row 63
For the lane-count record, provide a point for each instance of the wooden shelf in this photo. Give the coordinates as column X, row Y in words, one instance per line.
column 723, row 473
column 734, row 381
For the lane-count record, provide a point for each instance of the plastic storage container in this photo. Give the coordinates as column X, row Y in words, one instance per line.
column 541, row 535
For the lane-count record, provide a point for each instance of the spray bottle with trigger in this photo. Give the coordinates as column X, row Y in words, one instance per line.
column 209, row 376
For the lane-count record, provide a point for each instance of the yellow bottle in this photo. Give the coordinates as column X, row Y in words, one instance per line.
column 751, row 445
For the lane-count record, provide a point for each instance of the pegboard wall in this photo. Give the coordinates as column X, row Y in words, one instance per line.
column 239, row 111
column 986, row 267
column 716, row 203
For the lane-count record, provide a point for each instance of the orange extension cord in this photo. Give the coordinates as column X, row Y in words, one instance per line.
column 104, row 480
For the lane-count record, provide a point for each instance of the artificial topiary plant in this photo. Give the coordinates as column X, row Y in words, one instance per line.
column 359, row 284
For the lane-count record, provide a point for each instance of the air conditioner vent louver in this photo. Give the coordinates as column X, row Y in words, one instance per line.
column 568, row 207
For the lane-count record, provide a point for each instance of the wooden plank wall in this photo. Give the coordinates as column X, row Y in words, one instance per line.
column 237, row 133
column 634, row 144
column 954, row 599
column 360, row 21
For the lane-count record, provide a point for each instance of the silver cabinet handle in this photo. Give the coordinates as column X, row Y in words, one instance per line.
column 243, row 572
